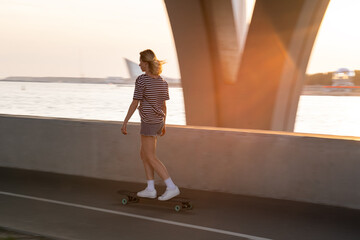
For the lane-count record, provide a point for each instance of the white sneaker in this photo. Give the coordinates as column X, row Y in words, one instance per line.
column 169, row 193
column 146, row 193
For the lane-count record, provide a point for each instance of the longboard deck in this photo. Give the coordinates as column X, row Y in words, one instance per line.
column 177, row 203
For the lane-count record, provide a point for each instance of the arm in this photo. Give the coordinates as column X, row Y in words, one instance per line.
column 163, row 131
column 131, row 111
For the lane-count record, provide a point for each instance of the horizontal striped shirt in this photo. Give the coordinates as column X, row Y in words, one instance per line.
column 152, row 94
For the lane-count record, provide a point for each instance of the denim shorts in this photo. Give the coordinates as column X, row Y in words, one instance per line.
column 151, row 129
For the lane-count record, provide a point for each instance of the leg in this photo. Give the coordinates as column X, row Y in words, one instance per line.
column 149, row 170
column 149, row 191
column 148, row 152
column 148, row 146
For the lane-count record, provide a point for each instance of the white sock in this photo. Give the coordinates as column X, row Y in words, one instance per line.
column 170, row 184
column 151, row 185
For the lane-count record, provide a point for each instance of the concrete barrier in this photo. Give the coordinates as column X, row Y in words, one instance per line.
column 301, row 167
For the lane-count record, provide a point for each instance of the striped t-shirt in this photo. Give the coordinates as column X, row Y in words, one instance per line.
column 152, row 93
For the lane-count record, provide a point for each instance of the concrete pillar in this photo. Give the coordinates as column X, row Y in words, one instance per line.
column 293, row 73
column 258, row 91
column 195, row 61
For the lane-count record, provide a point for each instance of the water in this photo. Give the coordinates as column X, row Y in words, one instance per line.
column 84, row 101
column 336, row 115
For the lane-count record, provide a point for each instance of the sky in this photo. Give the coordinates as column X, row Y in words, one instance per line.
column 81, row 37
column 337, row 43
column 90, row 38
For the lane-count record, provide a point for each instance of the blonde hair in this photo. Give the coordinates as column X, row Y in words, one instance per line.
column 155, row 65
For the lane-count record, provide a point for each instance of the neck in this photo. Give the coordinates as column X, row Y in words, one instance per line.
column 151, row 75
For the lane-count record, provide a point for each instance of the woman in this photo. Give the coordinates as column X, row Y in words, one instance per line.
column 151, row 91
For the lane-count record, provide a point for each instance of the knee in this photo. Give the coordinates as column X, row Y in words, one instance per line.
column 142, row 155
column 148, row 157
column 152, row 159
column 145, row 156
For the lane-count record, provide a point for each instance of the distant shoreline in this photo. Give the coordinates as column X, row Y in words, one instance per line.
column 320, row 90
column 110, row 80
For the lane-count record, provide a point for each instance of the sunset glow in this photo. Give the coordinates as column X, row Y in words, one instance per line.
column 90, row 38
column 337, row 43
column 81, row 37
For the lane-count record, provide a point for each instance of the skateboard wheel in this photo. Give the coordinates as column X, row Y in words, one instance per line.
column 189, row 206
column 124, row 201
column 177, row 208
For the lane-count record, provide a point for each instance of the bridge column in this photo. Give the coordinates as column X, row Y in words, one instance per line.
column 206, row 42
column 261, row 89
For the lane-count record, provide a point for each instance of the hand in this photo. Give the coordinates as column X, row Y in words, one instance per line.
column 163, row 131
column 123, row 129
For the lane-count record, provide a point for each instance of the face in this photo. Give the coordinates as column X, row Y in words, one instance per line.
column 143, row 65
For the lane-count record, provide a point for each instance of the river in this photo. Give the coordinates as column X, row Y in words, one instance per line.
column 334, row 115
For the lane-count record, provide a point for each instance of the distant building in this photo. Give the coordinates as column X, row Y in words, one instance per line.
column 134, row 69
column 343, row 78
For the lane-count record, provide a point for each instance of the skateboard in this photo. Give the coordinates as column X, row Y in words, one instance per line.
column 177, row 203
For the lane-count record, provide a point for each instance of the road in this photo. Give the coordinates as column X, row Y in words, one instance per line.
column 78, row 208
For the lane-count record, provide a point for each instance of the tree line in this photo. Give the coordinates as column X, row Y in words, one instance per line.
column 326, row 78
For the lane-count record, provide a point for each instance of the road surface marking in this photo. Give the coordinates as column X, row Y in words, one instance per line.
column 208, row 229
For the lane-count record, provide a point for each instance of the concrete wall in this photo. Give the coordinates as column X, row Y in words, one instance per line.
column 309, row 168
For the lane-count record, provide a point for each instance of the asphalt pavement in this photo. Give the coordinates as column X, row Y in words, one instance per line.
column 64, row 207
